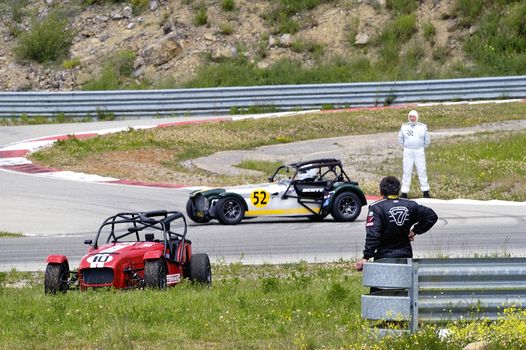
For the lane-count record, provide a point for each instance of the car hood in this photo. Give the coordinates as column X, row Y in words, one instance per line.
column 109, row 255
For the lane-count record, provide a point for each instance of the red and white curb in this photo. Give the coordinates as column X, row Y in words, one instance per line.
column 13, row 157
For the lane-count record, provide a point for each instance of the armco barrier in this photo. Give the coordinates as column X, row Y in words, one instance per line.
column 440, row 290
column 220, row 101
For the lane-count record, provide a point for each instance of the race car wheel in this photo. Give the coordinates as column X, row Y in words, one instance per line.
column 229, row 211
column 346, row 207
column 200, row 269
column 190, row 211
column 56, row 278
column 155, row 274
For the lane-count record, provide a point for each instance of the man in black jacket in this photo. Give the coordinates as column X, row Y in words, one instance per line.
column 392, row 224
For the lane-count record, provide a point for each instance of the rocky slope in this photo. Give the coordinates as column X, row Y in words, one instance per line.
column 168, row 44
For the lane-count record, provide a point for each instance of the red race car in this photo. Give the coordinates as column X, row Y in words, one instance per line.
column 133, row 250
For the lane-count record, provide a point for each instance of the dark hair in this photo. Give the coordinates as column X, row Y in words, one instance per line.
column 389, row 185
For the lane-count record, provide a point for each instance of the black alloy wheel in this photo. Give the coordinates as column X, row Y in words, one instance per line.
column 230, row 211
column 346, row 207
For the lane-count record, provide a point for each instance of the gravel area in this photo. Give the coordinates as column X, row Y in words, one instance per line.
column 354, row 151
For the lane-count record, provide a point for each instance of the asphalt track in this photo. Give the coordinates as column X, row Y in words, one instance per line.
column 56, row 215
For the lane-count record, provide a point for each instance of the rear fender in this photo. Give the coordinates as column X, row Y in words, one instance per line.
column 153, row 255
column 349, row 188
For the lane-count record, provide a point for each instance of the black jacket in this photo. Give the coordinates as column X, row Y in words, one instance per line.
column 389, row 222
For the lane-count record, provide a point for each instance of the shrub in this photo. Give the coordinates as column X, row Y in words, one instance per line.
column 47, row 40
column 282, row 13
column 499, row 45
column 226, row 28
column 352, row 29
column 228, row 5
column 114, row 72
column 139, row 6
column 429, row 32
column 201, row 15
column 398, row 31
column 468, row 11
column 401, row 7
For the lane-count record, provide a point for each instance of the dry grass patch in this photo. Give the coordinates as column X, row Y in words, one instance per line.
column 159, row 154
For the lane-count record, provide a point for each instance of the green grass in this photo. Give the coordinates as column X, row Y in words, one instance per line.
column 58, row 119
column 201, row 14
column 192, row 141
column 493, row 167
column 404, row 7
column 296, row 306
column 267, row 167
column 228, row 5
column 499, row 45
column 282, row 13
column 4, row 234
column 115, row 72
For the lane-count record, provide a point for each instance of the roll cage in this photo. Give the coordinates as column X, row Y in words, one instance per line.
column 329, row 172
column 326, row 168
column 132, row 224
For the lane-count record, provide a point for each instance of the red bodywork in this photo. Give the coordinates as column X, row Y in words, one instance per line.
column 127, row 244
column 121, row 265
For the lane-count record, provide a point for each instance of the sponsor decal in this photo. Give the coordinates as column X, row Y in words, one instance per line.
column 98, row 260
column 398, row 215
column 259, row 198
column 175, row 278
column 370, row 219
column 312, row 190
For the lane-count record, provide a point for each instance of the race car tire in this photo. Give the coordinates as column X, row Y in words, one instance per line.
column 346, row 207
column 192, row 216
column 155, row 274
column 56, row 278
column 200, row 269
column 230, row 211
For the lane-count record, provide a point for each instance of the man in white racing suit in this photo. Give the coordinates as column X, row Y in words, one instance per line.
column 414, row 138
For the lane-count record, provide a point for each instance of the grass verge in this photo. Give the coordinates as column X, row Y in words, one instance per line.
column 4, row 234
column 156, row 155
column 295, row 306
column 493, row 167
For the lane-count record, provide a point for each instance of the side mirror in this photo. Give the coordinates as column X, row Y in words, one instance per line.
column 88, row 241
column 271, row 178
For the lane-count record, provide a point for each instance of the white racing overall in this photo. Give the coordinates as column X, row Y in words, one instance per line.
column 414, row 138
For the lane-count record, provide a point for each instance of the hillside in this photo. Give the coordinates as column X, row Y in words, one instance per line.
column 174, row 43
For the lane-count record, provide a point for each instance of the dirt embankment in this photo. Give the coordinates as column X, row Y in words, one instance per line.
column 168, row 44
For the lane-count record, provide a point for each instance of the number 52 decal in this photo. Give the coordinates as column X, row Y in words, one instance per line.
column 259, row 198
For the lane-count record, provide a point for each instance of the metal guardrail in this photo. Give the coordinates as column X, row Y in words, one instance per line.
column 440, row 290
column 220, row 101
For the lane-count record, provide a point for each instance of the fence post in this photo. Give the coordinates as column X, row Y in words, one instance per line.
column 413, row 294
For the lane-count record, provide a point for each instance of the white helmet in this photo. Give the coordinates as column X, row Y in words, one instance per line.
column 307, row 174
column 414, row 114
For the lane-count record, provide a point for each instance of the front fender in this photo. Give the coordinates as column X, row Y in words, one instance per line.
column 57, row 259
column 153, row 255
column 207, row 193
